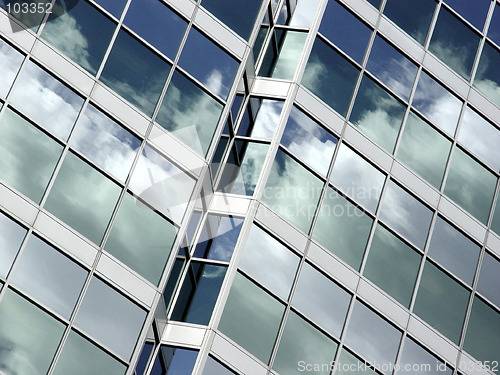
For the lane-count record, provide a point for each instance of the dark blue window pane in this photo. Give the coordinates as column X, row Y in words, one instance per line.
column 115, row 7
column 330, row 76
column 345, row 30
column 218, row 238
column 488, row 75
column 375, row 3
column 473, row 11
column 174, row 361
column 153, row 21
column 494, row 28
column 144, row 358
column 135, row 72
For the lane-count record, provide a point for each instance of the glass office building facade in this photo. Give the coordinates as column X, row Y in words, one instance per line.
column 250, row 187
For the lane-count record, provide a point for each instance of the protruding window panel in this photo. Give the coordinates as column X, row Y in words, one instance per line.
column 173, row 360
column 218, row 238
column 260, row 119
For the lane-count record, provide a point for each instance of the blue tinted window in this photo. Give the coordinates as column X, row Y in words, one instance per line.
column 174, row 361
column 115, row 7
column 487, row 78
column 494, row 28
column 473, row 11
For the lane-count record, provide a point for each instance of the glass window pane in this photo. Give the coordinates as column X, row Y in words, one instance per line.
column 364, row 332
column 326, row 67
column 292, row 191
column 135, row 72
column 213, row 367
column 309, row 141
column 269, row 262
column 488, row 278
column 494, row 28
column 350, row 364
column 342, row 228
column 141, row 238
column 404, row 213
column 441, row 302
column 470, row 185
column 105, row 142
column 474, row 12
column 495, row 223
column 424, row 150
column 487, row 79
column 304, row 13
column 10, row 62
column 98, row 316
column 83, row 198
column 80, row 357
column 322, row 300
column 377, row 113
column 82, row 33
column 417, row 360
column 357, row 178
column 263, row 123
column 250, row 304
column 392, row 265
column 31, row 20
column 454, row 251
column 194, row 128
column 302, row 343
column 29, row 156
column 290, row 46
column 56, row 106
column 11, row 237
column 28, row 335
column 174, row 361
column 115, row 7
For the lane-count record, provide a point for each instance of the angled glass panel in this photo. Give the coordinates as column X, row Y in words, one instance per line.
column 28, row 335
column 417, row 360
column 56, row 106
column 304, row 13
column 97, row 315
column 345, row 30
column 392, row 265
column 213, row 367
column 454, row 251
column 495, row 223
column 11, row 237
column 302, row 343
column 494, row 28
column 83, row 198
column 342, row 228
column 488, row 278
column 309, row 141
column 407, row 215
column 441, row 302
column 454, row 42
column 189, row 113
column 250, row 304
column 115, row 7
column 292, row 191
column 357, row 178
column 424, row 150
column 174, row 361
column 436, row 103
column 105, row 142
column 413, row 16
column 135, row 72
column 487, row 78
column 82, row 33
column 474, row 12
column 29, row 156
column 30, row 17
column 377, row 113
column 10, row 62
column 261, row 118
column 364, row 332
column 269, row 262
column 327, row 68
column 391, row 67
column 152, row 20
column 141, row 238
column 322, row 300
column 470, row 185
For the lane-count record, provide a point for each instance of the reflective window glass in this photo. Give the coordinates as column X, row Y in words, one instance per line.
column 82, row 33
column 424, row 150
column 250, row 304
column 56, row 106
column 11, row 237
column 269, row 262
column 115, row 7
column 28, row 335
column 413, row 16
column 304, row 13
column 407, row 215
column 143, row 360
column 98, row 316
column 326, row 67
column 441, row 302
column 135, row 72
column 364, row 332
column 345, row 30
column 494, row 28
column 83, row 198
column 292, row 191
column 174, row 361
column 495, row 223
column 10, row 61
column 29, row 156
column 453, row 250
column 391, row 67
column 342, row 228
column 261, row 118
column 488, row 278
column 80, row 357
column 152, row 20
column 487, row 78
column 309, row 141
column 350, row 364
column 141, row 238
column 474, row 12
column 392, row 265
column 105, row 142
column 470, row 185
column 320, row 299
column 454, row 42
column 436, row 103
column 357, row 178
column 194, row 127
column 377, row 113
column 302, row 343
column 213, row 367
column 416, row 360
column 31, row 20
